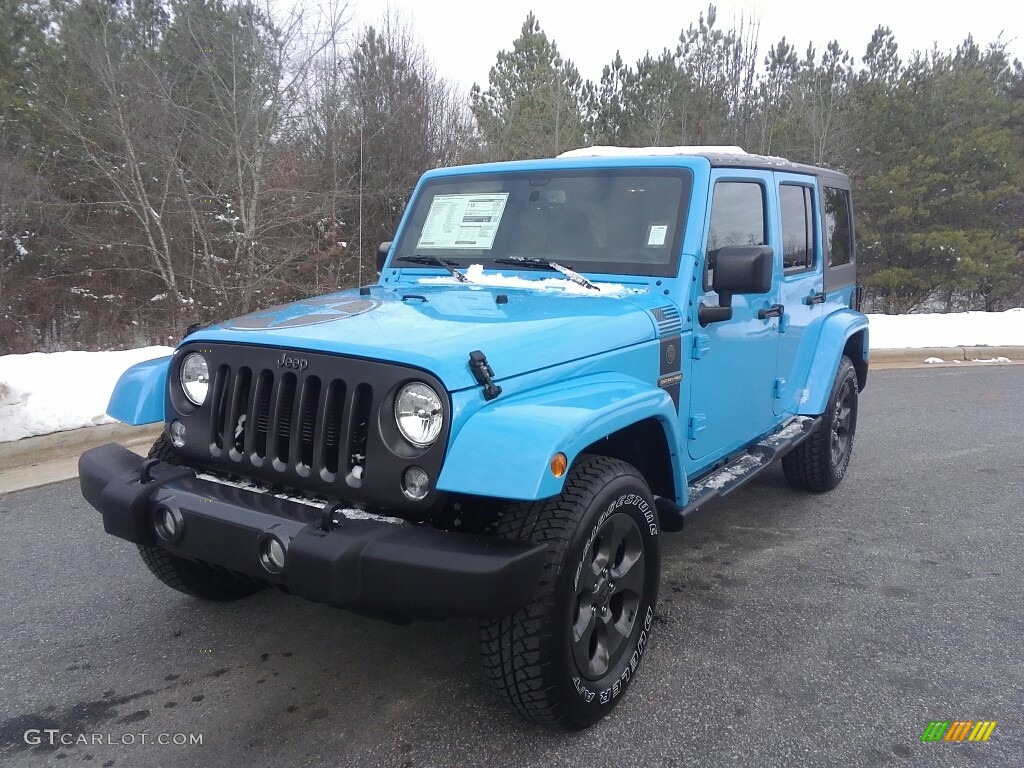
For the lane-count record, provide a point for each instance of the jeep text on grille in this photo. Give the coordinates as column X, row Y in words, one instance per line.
column 298, row 363
column 560, row 361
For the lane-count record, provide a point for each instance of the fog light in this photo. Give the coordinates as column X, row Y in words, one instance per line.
column 272, row 553
column 415, row 484
column 168, row 524
column 177, row 434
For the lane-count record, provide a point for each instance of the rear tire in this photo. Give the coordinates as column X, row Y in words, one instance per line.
column 568, row 656
column 819, row 463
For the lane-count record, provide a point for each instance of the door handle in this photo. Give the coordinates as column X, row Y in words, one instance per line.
column 815, row 298
column 775, row 310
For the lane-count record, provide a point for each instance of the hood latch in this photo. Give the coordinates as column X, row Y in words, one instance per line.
column 483, row 373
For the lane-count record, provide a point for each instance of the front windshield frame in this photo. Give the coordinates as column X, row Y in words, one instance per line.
column 657, row 225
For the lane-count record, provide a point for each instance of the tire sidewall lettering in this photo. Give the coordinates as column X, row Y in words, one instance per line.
column 629, row 499
column 607, row 691
column 611, row 692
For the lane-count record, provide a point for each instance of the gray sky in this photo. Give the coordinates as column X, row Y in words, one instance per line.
column 463, row 37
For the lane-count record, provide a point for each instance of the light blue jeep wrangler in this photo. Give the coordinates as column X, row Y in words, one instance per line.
column 562, row 359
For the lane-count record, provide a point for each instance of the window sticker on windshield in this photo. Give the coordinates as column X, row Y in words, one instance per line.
column 463, row 221
column 657, row 234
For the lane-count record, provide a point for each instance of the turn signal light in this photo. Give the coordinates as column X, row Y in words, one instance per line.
column 559, row 464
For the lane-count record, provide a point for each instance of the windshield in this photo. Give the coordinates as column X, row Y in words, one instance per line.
column 608, row 220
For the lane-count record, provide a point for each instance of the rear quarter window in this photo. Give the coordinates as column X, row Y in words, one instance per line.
column 838, row 234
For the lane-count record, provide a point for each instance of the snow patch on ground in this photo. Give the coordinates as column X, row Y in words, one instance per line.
column 476, row 275
column 934, row 360
column 958, row 329
column 52, row 392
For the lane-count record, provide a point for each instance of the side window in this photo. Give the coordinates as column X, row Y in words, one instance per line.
column 797, row 227
column 737, row 218
column 838, row 234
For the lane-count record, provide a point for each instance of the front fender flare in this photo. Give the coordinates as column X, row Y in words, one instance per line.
column 836, row 330
column 138, row 396
column 505, row 449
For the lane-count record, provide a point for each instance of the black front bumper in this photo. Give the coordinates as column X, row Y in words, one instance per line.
column 370, row 564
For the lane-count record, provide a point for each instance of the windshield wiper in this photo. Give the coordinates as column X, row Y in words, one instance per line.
column 438, row 262
column 554, row 266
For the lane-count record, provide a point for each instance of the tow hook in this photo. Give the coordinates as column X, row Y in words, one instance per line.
column 146, row 470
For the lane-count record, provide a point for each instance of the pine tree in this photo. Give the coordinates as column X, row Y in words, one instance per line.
column 533, row 106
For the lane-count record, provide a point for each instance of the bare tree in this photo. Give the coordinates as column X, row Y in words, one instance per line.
column 190, row 140
column 252, row 73
column 377, row 117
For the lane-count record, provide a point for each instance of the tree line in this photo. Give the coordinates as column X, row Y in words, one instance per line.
column 164, row 162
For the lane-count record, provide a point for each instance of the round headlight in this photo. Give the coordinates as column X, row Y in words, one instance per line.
column 195, row 378
column 419, row 414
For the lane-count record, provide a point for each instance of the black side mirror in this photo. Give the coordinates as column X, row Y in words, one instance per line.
column 738, row 269
column 382, row 254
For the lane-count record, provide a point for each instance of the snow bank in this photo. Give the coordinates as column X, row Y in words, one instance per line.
column 960, row 329
column 51, row 392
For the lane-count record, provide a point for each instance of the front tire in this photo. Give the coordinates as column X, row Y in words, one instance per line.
column 186, row 576
column 163, row 450
column 193, row 578
column 569, row 655
column 819, row 463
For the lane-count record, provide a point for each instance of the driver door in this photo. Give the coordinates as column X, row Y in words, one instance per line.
column 733, row 373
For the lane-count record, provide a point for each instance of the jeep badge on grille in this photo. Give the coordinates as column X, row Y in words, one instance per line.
column 298, row 363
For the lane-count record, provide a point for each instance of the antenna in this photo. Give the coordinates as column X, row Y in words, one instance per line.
column 360, row 237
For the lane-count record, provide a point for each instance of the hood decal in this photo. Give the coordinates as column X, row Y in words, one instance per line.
column 322, row 309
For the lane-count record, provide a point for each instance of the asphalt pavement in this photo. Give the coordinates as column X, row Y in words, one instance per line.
column 793, row 630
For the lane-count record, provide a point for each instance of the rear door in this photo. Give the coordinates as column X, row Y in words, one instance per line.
column 801, row 288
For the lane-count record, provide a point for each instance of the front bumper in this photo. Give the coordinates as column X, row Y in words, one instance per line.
column 378, row 564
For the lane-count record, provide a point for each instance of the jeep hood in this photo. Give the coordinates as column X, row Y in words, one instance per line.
column 435, row 327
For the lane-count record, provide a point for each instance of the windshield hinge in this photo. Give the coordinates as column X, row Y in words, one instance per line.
column 483, row 373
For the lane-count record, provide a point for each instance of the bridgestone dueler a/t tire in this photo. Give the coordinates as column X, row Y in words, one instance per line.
column 537, row 658
column 814, row 465
column 187, row 576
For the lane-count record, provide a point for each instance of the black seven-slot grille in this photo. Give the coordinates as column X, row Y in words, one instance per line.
column 317, row 426
column 307, row 421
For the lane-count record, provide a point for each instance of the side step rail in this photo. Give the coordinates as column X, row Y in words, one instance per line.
column 738, row 470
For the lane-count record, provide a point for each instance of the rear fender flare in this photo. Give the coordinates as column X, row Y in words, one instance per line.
column 836, row 331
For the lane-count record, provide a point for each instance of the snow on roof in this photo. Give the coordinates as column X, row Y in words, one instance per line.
column 649, row 151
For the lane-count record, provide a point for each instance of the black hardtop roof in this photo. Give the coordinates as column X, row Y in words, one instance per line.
column 719, row 157
column 772, row 163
